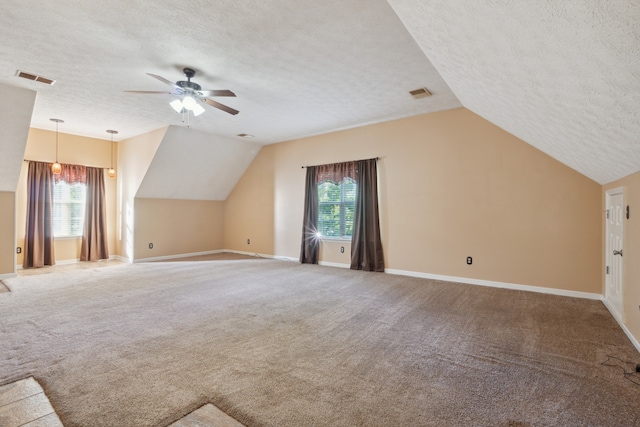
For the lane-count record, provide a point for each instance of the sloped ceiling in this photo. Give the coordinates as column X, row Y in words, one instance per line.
column 193, row 165
column 16, row 106
column 298, row 68
column 563, row 76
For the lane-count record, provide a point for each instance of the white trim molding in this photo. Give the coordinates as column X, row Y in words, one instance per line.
column 626, row 330
column 8, row 276
column 492, row 284
column 177, row 256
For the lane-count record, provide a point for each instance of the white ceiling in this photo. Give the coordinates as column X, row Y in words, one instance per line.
column 298, row 68
column 562, row 75
column 210, row 174
column 16, row 106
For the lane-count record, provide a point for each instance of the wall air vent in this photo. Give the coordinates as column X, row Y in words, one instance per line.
column 35, row 78
column 423, row 92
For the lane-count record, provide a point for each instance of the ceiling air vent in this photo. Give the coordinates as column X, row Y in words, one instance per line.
column 423, row 92
column 35, row 78
column 245, row 135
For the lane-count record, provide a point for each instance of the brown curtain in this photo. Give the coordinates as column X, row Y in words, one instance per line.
column 38, row 241
column 94, row 238
column 310, row 241
column 336, row 172
column 366, row 246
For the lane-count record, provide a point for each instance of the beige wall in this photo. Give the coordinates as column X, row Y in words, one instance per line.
column 177, row 227
column 249, row 215
column 451, row 185
column 631, row 251
column 7, row 232
column 134, row 157
column 72, row 149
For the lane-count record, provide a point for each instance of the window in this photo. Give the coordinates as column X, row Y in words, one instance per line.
column 68, row 209
column 336, row 204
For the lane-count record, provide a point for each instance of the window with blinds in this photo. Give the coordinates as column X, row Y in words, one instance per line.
column 336, row 205
column 68, row 209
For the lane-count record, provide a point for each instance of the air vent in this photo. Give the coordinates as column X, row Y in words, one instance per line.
column 423, row 92
column 35, row 78
column 245, row 135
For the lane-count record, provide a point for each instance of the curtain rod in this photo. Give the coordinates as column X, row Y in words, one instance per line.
column 374, row 158
column 86, row 166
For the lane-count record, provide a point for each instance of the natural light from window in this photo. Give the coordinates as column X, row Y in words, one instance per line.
column 68, row 209
column 336, row 205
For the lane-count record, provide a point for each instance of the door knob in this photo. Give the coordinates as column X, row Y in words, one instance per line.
column 618, row 252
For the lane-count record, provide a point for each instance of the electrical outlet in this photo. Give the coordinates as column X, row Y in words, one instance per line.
column 18, row 250
column 248, row 241
column 150, row 245
column 469, row 260
column 341, row 249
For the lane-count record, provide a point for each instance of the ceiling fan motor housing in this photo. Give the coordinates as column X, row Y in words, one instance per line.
column 189, row 85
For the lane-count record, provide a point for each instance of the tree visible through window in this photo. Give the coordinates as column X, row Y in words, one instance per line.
column 336, row 204
column 68, row 209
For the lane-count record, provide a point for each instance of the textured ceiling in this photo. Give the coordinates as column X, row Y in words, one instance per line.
column 563, row 76
column 16, row 106
column 193, row 165
column 298, row 67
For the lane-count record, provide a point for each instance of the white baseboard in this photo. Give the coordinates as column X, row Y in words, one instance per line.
column 8, row 276
column 256, row 254
column 626, row 330
column 177, row 256
column 503, row 285
column 120, row 258
column 284, row 258
column 68, row 261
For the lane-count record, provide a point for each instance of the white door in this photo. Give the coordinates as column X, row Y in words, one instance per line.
column 614, row 254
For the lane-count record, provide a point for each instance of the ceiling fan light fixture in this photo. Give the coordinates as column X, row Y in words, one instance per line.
column 190, row 93
column 176, row 105
column 189, row 103
column 197, row 109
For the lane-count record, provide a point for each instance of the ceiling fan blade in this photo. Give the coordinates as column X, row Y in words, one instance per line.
column 220, row 106
column 145, row 92
column 162, row 79
column 216, row 93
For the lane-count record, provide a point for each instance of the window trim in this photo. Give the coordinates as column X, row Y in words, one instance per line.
column 343, row 204
column 82, row 201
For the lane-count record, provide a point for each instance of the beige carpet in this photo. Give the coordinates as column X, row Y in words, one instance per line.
column 275, row 343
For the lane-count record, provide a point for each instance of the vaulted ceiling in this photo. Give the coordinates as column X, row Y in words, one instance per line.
column 562, row 76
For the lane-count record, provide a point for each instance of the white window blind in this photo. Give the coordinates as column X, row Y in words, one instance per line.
column 68, row 209
column 336, row 205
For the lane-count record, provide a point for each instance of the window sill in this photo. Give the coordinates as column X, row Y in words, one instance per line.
column 67, row 238
column 336, row 239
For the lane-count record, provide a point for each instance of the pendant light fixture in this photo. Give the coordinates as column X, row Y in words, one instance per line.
column 56, row 168
column 112, row 171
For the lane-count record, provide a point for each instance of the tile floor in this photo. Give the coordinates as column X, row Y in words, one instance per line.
column 24, row 404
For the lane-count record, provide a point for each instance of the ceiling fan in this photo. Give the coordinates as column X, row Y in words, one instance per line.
column 190, row 92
